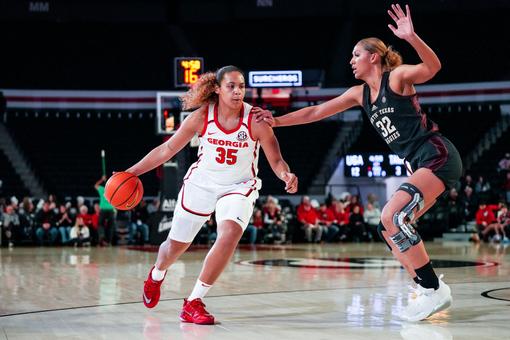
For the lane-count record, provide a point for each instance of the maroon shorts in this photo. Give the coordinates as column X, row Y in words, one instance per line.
column 441, row 156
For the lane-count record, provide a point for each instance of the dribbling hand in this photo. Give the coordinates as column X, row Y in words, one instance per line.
column 291, row 182
column 403, row 20
column 263, row 115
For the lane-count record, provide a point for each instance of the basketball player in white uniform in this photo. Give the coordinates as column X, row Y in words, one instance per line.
column 223, row 179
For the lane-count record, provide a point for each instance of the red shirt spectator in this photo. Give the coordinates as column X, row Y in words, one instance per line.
column 305, row 213
column 325, row 215
column 484, row 215
column 355, row 202
column 87, row 218
column 257, row 219
column 341, row 216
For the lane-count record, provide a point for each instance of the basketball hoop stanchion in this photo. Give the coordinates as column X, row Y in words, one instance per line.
column 169, row 116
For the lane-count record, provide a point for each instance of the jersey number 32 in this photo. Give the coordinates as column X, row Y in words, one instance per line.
column 385, row 126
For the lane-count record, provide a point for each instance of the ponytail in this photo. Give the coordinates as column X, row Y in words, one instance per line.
column 390, row 58
column 201, row 92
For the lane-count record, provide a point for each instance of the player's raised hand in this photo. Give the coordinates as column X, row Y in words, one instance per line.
column 291, row 182
column 403, row 21
column 263, row 115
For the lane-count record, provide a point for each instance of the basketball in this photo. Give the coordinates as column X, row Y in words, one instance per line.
column 123, row 190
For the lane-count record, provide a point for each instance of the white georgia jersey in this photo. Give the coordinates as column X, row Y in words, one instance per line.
column 225, row 157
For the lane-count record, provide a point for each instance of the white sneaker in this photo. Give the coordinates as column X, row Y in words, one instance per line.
column 427, row 302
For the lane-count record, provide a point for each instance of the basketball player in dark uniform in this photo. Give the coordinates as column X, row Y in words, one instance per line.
column 389, row 99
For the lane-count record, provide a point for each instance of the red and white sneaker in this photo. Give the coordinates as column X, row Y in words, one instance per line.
column 151, row 291
column 194, row 311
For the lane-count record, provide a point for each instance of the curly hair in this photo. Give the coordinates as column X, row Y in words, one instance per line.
column 203, row 90
column 390, row 58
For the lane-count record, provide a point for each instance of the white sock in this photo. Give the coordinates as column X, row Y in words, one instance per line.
column 199, row 291
column 158, row 275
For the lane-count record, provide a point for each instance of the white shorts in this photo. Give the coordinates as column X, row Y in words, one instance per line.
column 196, row 203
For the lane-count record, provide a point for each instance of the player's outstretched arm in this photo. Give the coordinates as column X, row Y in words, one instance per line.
column 162, row 153
column 413, row 74
column 264, row 133
column 350, row 98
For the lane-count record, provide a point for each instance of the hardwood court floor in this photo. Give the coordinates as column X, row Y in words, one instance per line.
column 339, row 291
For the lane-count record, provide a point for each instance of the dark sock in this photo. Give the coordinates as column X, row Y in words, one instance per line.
column 417, row 280
column 427, row 276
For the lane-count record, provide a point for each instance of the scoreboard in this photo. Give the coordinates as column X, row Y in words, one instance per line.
column 187, row 71
column 374, row 165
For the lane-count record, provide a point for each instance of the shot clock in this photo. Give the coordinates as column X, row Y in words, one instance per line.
column 187, row 70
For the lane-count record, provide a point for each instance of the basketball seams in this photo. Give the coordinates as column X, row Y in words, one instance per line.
column 131, row 195
column 119, row 186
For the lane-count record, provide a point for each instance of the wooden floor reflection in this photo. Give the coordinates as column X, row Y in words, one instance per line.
column 347, row 291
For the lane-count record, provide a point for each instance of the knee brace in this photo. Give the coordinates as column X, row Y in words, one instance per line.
column 407, row 236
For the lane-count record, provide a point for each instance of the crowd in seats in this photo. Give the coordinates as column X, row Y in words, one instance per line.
column 49, row 222
column 479, row 201
column 476, row 201
column 334, row 220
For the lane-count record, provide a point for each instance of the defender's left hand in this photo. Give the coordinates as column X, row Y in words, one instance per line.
column 403, row 20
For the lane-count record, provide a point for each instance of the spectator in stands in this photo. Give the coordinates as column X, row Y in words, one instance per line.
column 469, row 203
column 153, row 206
column 89, row 222
column 14, row 203
column 139, row 218
column 63, row 223
column 504, row 163
column 211, row 230
column 355, row 202
column 342, row 219
column 274, row 222
column 372, row 199
column 106, row 214
column 372, row 217
column 122, row 227
column 95, row 216
column 328, row 221
column 503, row 218
column 455, row 209
column 357, row 225
column 80, row 233
column 52, row 200
column 11, row 226
column 27, row 220
column 485, row 222
column 345, row 198
column 467, row 181
column 307, row 217
column 257, row 221
column 45, row 225
column 80, row 200
column 482, row 188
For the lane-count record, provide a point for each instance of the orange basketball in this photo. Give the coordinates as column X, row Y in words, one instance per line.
column 123, row 190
